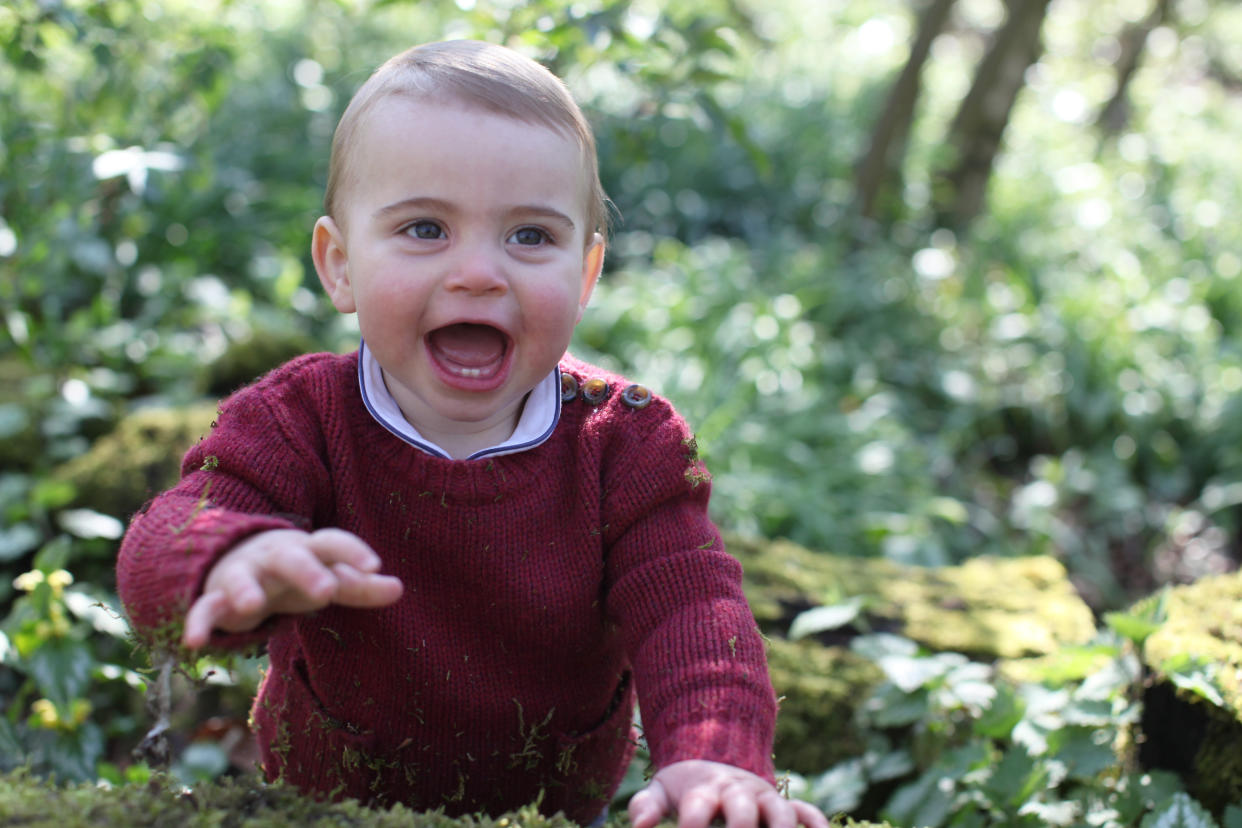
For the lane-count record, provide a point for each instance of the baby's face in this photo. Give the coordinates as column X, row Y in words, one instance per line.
column 462, row 245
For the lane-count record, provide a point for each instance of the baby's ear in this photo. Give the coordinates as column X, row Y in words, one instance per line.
column 592, row 266
column 332, row 264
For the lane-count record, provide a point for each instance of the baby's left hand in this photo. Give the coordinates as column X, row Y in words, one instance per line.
column 697, row 791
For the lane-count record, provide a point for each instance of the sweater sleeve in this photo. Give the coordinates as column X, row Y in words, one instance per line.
column 698, row 657
column 256, row 470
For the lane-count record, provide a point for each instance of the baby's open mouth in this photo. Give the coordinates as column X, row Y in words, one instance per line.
column 469, row 350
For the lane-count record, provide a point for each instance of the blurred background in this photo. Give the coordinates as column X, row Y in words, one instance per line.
column 930, row 279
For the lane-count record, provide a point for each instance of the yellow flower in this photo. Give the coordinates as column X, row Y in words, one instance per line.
column 58, row 580
column 28, row 581
column 45, row 714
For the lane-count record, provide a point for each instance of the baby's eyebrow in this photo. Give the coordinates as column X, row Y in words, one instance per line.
column 438, row 205
column 543, row 212
column 415, row 203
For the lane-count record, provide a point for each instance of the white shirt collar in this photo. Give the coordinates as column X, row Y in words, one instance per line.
column 540, row 414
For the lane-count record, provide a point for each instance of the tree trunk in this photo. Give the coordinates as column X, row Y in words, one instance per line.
column 976, row 131
column 879, row 171
column 1116, row 113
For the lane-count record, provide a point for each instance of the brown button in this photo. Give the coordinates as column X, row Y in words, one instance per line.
column 636, row 396
column 569, row 388
column 595, row 391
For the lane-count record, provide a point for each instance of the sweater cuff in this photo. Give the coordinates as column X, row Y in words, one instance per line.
column 729, row 742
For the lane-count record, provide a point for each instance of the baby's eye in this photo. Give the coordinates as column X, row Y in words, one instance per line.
column 425, row 230
column 529, row 236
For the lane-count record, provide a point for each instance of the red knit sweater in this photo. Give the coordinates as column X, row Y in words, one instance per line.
column 543, row 590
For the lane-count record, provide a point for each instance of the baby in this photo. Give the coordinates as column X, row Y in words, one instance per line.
column 467, row 552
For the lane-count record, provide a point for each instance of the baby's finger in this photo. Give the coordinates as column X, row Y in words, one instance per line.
column 338, row 546
column 777, row 811
column 698, row 807
column 648, row 806
column 298, row 570
column 740, row 808
column 202, row 617
column 808, row 814
column 357, row 589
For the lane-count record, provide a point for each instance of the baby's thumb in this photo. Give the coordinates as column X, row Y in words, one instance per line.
column 648, row 806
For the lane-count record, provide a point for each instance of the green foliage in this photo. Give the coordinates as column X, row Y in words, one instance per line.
column 1064, row 380
column 968, row 747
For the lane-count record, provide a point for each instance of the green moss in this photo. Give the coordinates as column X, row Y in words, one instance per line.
column 1204, row 619
column 985, row 608
column 247, row 360
column 137, row 460
column 821, row 689
column 33, row 803
column 1195, row 736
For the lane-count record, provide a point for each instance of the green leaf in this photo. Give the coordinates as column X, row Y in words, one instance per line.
column 11, row 751
column 201, row 762
column 889, row 706
column 1195, row 676
column 840, row 788
column 999, row 718
column 75, row 755
column 926, row 801
column 61, row 669
column 822, row 619
column 1014, row 779
column 1086, row 751
column 876, row 646
column 1179, row 812
column 1143, row 619
column 1233, row 817
column 17, row 541
column 910, row 674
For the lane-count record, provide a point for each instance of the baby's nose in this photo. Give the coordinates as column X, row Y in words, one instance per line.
column 478, row 271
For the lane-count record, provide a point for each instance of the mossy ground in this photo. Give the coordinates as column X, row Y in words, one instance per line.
column 986, row 608
column 959, row 609
column 1191, row 734
column 34, row 803
column 137, row 460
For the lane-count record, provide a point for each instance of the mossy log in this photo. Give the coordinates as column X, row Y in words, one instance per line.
column 1186, row 731
column 36, row 803
column 988, row 608
column 137, row 460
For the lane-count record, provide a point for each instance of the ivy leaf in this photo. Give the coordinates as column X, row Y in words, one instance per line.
column 1179, row 812
column 822, row 619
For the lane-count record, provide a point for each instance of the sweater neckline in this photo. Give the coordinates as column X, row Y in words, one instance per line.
column 540, row 413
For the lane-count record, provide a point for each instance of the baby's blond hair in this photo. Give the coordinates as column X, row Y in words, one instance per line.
column 474, row 73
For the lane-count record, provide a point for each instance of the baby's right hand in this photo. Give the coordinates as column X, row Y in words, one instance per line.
column 287, row 571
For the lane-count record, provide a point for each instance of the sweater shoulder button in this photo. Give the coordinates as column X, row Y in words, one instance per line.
column 569, row 388
column 595, row 391
column 636, row 396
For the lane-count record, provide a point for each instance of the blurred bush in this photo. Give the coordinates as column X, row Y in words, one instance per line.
column 1064, row 380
